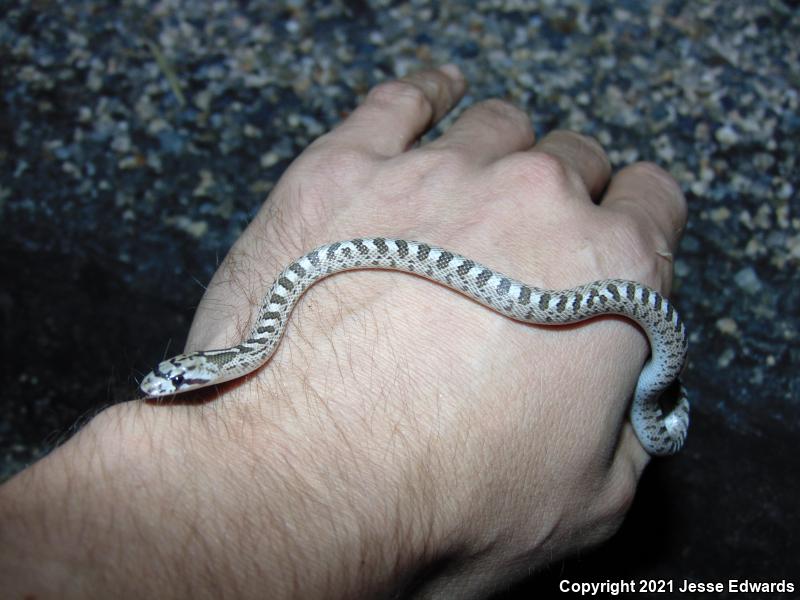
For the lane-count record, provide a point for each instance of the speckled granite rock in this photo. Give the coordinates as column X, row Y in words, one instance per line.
column 137, row 141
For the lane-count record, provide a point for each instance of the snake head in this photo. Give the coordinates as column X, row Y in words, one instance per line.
column 179, row 374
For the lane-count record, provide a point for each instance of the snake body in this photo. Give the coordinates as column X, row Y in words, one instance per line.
column 661, row 431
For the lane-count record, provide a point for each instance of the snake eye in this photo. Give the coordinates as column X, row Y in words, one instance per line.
column 177, row 381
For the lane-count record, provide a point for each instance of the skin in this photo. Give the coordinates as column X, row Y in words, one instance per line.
column 403, row 440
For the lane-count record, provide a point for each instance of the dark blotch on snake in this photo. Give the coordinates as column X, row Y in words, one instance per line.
column 544, row 301
column 504, row 286
column 381, row 245
column 614, row 291
column 402, row 248
column 286, row 284
column 224, row 357
column 277, row 299
column 297, row 269
column 576, row 302
column 361, row 247
column 313, row 258
column 423, row 250
column 333, row 248
column 444, row 260
column 483, row 277
column 266, row 329
column 562, row 303
column 645, row 295
column 525, row 294
column 630, row 291
column 658, row 300
column 465, row 268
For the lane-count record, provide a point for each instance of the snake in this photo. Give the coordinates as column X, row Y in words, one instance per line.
column 659, row 410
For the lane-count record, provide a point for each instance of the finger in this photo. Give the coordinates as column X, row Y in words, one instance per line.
column 631, row 452
column 655, row 200
column 624, row 473
column 488, row 131
column 396, row 113
column 582, row 156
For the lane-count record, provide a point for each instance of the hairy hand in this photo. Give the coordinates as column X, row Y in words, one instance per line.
column 514, row 435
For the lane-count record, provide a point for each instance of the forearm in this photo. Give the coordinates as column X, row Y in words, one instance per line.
column 141, row 503
column 69, row 520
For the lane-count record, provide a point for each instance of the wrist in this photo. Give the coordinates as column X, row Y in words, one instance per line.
column 183, row 494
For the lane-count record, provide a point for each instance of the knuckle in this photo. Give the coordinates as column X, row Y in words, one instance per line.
column 628, row 225
column 587, row 145
column 327, row 162
column 631, row 240
column 580, row 138
column 502, row 119
column 628, row 233
column 653, row 171
column 592, row 142
column 552, row 168
column 665, row 186
column 538, row 171
column 402, row 93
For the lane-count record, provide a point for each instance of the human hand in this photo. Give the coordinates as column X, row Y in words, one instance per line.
column 522, row 428
column 402, row 439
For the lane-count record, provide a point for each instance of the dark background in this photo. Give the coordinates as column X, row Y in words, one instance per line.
column 137, row 141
